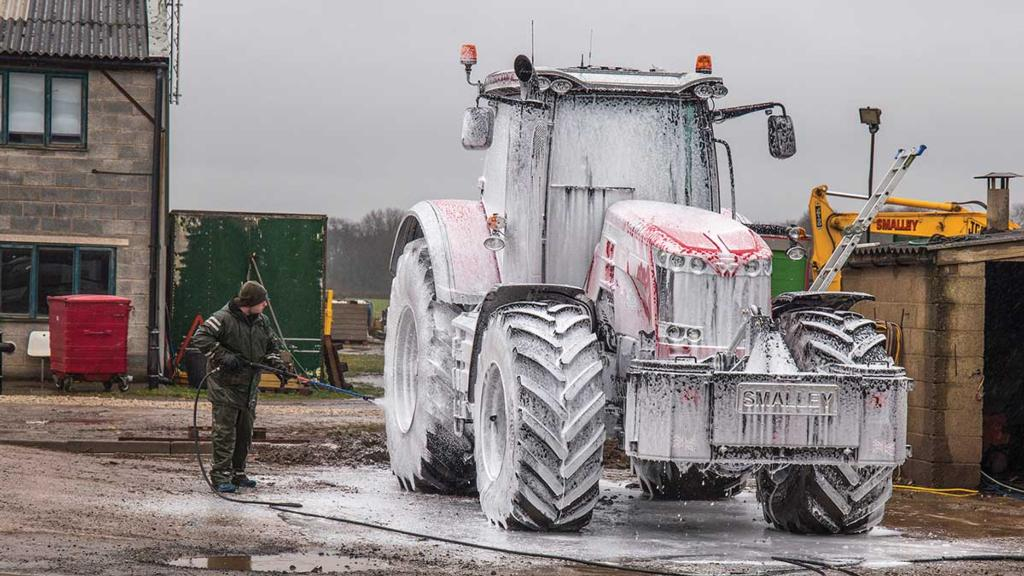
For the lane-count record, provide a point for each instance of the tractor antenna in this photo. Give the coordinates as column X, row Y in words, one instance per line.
column 590, row 51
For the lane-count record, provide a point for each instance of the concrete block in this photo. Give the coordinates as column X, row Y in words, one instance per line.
column 84, row 226
column 956, row 316
column 69, row 211
column 11, row 208
column 71, row 179
column 133, row 212
column 974, row 269
column 915, row 342
column 36, row 178
column 915, row 366
column 941, row 449
column 955, row 343
column 920, row 396
column 24, row 224
column 954, row 370
column 956, row 475
column 42, row 209
column 918, row 472
column 18, row 193
column 962, row 422
column 962, row 289
column 118, row 228
column 8, row 177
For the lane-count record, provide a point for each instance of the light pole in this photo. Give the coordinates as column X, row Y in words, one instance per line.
column 873, row 118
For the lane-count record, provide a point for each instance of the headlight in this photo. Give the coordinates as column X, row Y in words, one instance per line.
column 757, row 268
column 682, row 334
column 680, row 263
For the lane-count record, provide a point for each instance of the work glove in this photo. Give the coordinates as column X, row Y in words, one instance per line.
column 232, row 362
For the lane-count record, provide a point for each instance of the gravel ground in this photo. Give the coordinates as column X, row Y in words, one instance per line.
column 131, row 514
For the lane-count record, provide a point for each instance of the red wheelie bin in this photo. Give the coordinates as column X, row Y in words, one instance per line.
column 89, row 340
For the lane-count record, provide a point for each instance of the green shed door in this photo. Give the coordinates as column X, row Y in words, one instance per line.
column 212, row 258
column 787, row 275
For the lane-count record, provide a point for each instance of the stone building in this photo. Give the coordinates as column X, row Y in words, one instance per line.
column 962, row 315
column 83, row 165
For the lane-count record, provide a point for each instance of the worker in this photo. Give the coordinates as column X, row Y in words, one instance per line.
column 233, row 338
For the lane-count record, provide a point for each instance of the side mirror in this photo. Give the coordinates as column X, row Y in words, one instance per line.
column 477, row 128
column 781, row 137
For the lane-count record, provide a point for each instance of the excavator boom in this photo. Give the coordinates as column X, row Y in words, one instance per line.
column 942, row 219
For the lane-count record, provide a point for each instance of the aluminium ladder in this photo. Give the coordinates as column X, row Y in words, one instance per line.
column 853, row 232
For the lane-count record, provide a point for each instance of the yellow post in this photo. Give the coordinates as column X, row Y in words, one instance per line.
column 329, row 313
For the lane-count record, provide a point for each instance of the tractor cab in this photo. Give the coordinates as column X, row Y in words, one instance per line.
column 564, row 144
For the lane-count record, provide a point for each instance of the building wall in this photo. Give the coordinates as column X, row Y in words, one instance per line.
column 53, row 194
column 942, row 311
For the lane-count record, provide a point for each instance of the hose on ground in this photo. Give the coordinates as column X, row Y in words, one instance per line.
column 292, row 508
column 953, row 492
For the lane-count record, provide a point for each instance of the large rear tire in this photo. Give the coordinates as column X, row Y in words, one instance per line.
column 539, row 417
column 841, row 499
column 667, row 481
column 426, row 454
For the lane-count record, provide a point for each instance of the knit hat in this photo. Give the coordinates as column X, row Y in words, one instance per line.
column 251, row 294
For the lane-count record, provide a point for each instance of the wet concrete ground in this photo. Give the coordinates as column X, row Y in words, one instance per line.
column 126, row 514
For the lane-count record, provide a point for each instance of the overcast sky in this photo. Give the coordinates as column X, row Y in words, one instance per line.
column 342, row 107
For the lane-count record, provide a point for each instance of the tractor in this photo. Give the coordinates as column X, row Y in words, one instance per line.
column 597, row 292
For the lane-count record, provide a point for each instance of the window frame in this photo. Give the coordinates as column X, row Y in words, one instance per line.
column 48, row 76
column 76, row 271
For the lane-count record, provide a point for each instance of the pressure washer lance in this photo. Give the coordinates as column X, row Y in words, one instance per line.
column 313, row 382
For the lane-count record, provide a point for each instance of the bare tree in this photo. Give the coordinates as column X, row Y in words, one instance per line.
column 358, row 254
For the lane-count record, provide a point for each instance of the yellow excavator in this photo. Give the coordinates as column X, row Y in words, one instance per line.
column 929, row 220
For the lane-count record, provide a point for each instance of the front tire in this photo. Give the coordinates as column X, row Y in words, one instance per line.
column 667, row 481
column 843, row 499
column 539, row 417
column 426, row 454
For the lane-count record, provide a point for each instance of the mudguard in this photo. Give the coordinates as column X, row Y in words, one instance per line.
column 455, row 230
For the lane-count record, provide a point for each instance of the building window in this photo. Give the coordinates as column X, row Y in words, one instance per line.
column 44, row 109
column 31, row 273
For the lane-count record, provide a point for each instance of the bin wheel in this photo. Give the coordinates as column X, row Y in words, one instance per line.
column 64, row 383
column 108, row 385
column 123, row 383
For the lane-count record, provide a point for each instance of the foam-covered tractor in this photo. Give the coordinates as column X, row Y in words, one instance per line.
column 598, row 290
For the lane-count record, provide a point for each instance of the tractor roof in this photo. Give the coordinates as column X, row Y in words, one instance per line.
column 605, row 79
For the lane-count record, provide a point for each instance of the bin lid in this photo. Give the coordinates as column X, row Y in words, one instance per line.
column 90, row 298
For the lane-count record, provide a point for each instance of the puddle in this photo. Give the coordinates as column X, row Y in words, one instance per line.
column 296, row 562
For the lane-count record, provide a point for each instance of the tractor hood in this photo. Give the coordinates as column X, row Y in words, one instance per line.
column 722, row 242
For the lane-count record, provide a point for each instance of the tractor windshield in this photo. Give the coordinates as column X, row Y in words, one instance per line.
column 654, row 145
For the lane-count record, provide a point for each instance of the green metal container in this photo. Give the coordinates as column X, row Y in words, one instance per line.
column 787, row 275
column 212, row 254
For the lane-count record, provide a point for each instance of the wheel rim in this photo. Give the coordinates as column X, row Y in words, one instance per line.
column 494, row 427
column 406, row 373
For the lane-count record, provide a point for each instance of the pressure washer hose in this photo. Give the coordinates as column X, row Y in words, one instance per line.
column 291, row 508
